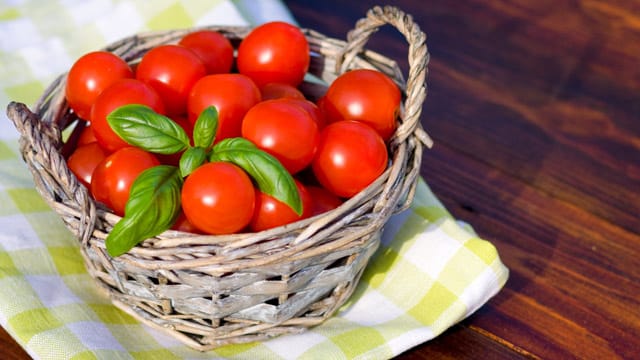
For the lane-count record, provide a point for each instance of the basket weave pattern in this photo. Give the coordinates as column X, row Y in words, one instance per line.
column 209, row 291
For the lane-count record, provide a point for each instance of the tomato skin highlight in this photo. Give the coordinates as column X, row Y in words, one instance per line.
column 83, row 161
column 112, row 178
column 364, row 95
column 91, row 74
column 283, row 129
column 218, row 198
column 123, row 92
column 271, row 212
column 232, row 95
column 213, row 48
column 350, row 156
column 171, row 70
column 274, row 52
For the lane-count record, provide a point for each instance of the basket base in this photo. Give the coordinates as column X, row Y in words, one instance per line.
column 299, row 311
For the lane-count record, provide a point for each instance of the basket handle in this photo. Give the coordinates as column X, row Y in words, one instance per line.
column 416, row 88
column 39, row 145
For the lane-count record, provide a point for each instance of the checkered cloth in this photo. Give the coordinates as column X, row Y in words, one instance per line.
column 429, row 273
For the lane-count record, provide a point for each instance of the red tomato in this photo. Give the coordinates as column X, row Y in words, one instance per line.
column 84, row 160
column 213, row 48
column 185, row 124
column 218, row 198
column 89, row 76
column 274, row 52
column 364, row 95
column 113, row 177
column 183, row 224
column 171, row 70
column 322, row 200
column 86, row 136
column 284, row 130
column 123, row 92
column 232, row 94
column 270, row 212
column 350, row 156
column 313, row 110
column 277, row 90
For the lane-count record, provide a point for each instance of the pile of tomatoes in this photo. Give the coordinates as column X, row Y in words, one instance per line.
column 333, row 147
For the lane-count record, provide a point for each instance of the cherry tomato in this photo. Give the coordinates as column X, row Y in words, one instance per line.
column 313, row 110
column 213, row 48
column 123, row 92
column 89, row 76
column 113, row 177
column 218, row 198
column 84, row 160
column 364, row 95
column 271, row 212
column 274, row 52
column 183, row 224
column 350, row 156
column 86, row 136
column 232, row 95
column 171, row 70
column 277, row 90
column 322, row 200
column 284, row 130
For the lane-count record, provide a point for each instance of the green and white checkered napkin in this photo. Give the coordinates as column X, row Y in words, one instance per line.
column 429, row 273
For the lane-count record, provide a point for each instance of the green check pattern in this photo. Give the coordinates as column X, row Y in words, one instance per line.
column 430, row 272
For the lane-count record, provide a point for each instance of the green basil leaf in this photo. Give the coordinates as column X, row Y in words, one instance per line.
column 268, row 173
column 141, row 126
column 191, row 159
column 205, row 128
column 153, row 206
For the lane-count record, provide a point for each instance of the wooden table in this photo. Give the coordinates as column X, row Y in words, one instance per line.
column 535, row 110
column 534, row 107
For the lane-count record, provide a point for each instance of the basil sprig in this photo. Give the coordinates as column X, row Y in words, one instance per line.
column 269, row 174
column 205, row 128
column 153, row 206
column 154, row 200
column 142, row 127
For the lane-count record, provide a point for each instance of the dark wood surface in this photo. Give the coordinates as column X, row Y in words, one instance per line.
column 534, row 107
column 535, row 110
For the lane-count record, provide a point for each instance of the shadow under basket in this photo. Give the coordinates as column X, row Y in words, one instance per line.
column 208, row 291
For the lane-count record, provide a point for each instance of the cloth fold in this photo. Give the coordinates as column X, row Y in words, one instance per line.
column 430, row 272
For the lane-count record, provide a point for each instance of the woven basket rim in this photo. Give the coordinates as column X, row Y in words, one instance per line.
column 337, row 244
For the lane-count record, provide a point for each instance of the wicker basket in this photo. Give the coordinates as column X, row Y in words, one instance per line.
column 209, row 291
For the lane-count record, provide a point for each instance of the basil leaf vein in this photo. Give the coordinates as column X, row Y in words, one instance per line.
column 141, row 126
column 268, row 173
column 152, row 208
column 205, row 128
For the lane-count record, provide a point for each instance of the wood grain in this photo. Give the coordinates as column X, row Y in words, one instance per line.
column 535, row 110
column 9, row 348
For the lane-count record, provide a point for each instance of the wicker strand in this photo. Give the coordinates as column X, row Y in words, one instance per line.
column 39, row 145
column 418, row 62
column 208, row 291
